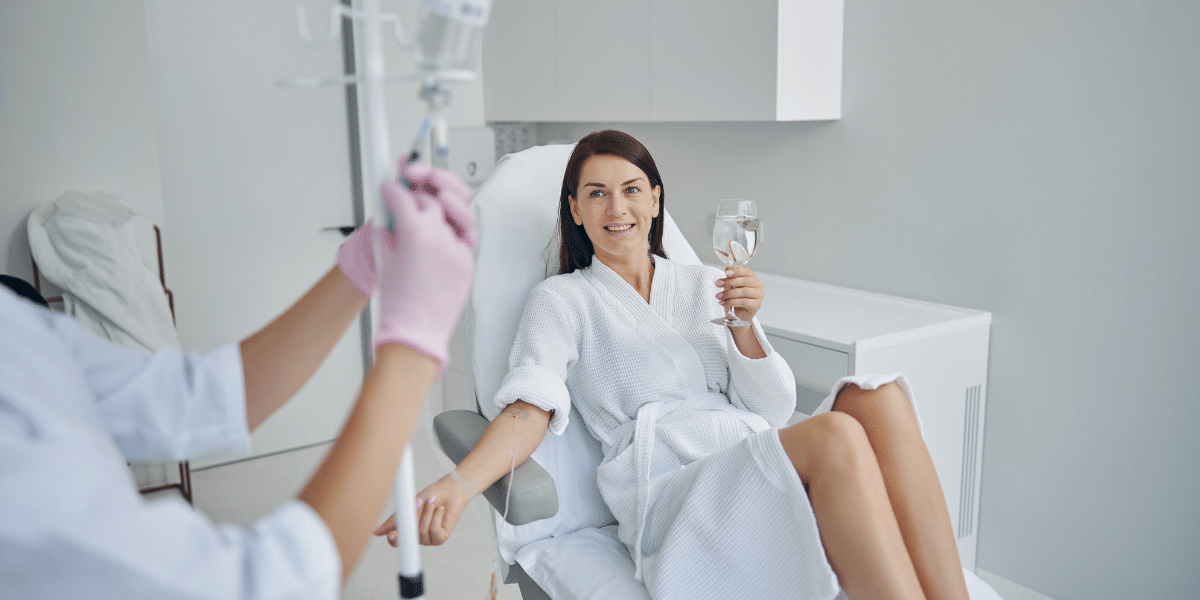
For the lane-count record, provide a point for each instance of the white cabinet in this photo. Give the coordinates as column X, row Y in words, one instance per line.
column 826, row 332
column 663, row 60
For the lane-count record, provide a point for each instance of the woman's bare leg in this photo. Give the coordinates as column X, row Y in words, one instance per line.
column 845, row 487
column 912, row 486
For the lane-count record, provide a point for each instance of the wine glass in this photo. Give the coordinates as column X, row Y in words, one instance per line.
column 735, row 238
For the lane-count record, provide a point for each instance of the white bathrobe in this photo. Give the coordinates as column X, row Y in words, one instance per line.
column 708, row 503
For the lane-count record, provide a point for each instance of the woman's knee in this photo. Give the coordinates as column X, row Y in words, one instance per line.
column 887, row 403
column 833, row 440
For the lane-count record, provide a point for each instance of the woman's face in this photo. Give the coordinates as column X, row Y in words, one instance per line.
column 616, row 206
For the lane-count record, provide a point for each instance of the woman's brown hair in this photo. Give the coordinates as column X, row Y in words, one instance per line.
column 575, row 249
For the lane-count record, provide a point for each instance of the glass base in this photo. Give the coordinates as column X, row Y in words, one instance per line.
column 730, row 322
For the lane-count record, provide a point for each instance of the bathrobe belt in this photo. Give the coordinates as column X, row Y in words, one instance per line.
column 640, row 433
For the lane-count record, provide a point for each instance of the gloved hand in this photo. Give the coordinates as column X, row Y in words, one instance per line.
column 356, row 259
column 356, row 256
column 426, row 264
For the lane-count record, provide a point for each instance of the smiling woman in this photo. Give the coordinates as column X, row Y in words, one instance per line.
column 701, row 471
column 618, row 184
column 617, row 209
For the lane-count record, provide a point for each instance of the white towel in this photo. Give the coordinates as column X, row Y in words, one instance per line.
column 88, row 244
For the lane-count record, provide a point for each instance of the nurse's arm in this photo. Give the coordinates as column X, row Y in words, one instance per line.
column 279, row 358
column 350, row 487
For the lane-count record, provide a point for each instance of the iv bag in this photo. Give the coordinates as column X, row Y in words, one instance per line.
column 450, row 35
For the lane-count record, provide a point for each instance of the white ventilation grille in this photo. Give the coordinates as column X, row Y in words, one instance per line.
column 966, row 497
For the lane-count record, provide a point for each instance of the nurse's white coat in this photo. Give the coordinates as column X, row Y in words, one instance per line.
column 73, row 409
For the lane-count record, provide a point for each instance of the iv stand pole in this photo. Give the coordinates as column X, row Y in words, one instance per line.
column 378, row 167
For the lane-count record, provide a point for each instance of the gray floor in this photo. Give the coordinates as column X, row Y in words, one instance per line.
column 242, row 492
column 1008, row 589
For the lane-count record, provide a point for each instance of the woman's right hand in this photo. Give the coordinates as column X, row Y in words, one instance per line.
column 439, row 507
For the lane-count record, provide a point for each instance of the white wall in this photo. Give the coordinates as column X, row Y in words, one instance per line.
column 76, row 112
column 1041, row 161
column 252, row 172
column 174, row 105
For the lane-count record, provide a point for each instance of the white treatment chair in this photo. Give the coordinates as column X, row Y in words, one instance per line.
column 559, row 541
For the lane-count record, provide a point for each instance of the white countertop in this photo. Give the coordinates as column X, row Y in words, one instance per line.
column 853, row 320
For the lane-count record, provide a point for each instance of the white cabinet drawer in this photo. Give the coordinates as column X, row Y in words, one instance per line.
column 815, row 368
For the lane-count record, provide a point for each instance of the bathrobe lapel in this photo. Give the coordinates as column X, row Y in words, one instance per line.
column 654, row 319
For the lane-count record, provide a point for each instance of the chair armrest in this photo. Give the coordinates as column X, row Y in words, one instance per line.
column 533, row 494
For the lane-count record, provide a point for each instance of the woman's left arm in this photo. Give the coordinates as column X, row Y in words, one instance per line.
column 741, row 289
column 760, row 380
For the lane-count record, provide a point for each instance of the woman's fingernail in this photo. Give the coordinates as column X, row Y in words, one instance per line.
column 729, row 272
column 720, row 295
column 720, row 283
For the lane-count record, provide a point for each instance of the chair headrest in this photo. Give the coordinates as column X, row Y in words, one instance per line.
column 517, row 210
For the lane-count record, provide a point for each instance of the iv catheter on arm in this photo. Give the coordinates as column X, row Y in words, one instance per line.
column 448, row 42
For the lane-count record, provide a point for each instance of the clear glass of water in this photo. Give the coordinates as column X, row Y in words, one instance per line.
column 735, row 238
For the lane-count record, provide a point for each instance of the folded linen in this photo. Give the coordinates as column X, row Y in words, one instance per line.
column 89, row 244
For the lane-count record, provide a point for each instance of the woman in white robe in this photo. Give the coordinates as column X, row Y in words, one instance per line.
column 711, row 496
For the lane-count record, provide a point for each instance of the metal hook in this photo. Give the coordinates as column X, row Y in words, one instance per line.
column 397, row 32
column 335, row 13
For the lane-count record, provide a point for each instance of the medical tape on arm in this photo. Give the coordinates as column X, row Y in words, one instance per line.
column 462, row 483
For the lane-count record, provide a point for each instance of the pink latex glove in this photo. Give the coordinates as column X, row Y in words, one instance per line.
column 427, row 264
column 356, row 256
column 356, row 259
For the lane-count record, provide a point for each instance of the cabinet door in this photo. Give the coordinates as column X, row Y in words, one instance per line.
column 663, row 60
column 251, row 174
column 603, row 52
column 519, row 61
column 948, row 374
column 713, row 60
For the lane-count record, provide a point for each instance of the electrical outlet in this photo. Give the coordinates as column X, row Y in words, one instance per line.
column 514, row 137
column 472, row 153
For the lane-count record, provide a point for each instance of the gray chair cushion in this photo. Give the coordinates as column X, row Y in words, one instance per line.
column 533, row 495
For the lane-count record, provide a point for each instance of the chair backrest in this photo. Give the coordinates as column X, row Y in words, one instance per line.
column 517, row 209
